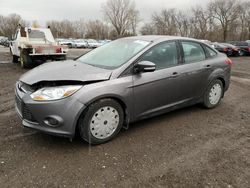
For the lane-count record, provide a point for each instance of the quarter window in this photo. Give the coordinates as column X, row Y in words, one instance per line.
column 163, row 55
column 211, row 53
column 193, row 52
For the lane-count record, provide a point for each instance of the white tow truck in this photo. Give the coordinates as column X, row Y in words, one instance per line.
column 35, row 46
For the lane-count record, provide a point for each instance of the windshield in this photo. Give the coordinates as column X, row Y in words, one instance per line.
column 114, row 54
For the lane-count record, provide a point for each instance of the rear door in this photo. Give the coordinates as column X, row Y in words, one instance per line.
column 195, row 70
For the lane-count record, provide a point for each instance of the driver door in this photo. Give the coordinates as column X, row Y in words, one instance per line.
column 158, row 90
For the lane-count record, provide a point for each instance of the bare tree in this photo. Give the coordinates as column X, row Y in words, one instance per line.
column 65, row 28
column 226, row 12
column 182, row 23
column 165, row 22
column 200, row 22
column 147, row 29
column 97, row 30
column 244, row 20
column 122, row 14
column 9, row 24
column 79, row 28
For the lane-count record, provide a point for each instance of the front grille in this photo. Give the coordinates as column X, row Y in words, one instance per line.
column 24, row 111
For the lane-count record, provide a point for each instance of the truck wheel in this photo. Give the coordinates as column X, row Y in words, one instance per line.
column 62, row 58
column 25, row 59
column 14, row 59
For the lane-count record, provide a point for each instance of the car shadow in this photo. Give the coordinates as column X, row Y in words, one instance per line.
column 45, row 140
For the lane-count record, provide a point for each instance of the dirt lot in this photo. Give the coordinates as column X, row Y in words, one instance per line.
column 192, row 147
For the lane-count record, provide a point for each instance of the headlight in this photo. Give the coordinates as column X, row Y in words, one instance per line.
column 54, row 93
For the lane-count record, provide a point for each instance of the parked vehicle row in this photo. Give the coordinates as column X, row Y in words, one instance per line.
column 4, row 41
column 82, row 43
column 232, row 48
column 244, row 46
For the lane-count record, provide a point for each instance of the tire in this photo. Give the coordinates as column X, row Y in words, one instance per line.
column 96, row 130
column 241, row 53
column 25, row 59
column 214, row 94
column 14, row 59
column 61, row 58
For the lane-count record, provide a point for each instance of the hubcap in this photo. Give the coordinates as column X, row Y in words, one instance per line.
column 215, row 94
column 104, row 122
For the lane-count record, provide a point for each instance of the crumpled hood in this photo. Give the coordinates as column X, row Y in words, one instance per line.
column 65, row 71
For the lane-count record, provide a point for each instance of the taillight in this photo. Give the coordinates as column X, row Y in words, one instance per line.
column 235, row 49
column 225, row 49
column 58, row 50
column 249, row 49
column 229, row 61
column 38, row 49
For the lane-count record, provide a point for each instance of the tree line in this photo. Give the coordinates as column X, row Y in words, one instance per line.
column 219, row 20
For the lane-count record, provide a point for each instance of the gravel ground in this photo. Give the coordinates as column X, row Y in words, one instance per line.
column 192, row 147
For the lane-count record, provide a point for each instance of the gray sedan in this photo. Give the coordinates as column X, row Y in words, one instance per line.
column 121, row 82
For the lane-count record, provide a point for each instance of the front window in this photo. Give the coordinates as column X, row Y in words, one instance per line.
column 114, row 54
column 163, row 55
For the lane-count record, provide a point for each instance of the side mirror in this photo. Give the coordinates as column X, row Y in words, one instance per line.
column 145, row 66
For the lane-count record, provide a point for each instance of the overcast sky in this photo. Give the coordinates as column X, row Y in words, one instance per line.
column 44, row 10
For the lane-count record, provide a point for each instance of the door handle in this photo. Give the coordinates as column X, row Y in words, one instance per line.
column 207, row 66
column 175, row 74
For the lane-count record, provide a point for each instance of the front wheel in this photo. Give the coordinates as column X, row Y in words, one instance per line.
column 213, row 95
column 101, row 122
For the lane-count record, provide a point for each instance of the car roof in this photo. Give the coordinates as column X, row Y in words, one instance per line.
column 158, row 38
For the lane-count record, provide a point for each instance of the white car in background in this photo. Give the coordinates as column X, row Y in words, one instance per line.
column 80, row 43
column 68, row 42
column 93, row 43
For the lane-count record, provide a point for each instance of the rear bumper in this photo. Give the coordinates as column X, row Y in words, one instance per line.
column 48, row 54
column 227, row 78
column 36, row 115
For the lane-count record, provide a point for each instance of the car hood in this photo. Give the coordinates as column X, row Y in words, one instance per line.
column 65, row 71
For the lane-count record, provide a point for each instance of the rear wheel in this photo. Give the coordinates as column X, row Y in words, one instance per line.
column 241, row 53
column 213, row 95
column 101, row 122
column 25, row 59
column 14, row 59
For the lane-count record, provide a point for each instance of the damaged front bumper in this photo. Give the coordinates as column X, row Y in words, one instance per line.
column 58, row 117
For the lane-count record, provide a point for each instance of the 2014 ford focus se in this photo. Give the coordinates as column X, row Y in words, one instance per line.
column 121, row 82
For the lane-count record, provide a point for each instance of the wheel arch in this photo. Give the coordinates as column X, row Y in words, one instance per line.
column 113, row 97
column 222, row 79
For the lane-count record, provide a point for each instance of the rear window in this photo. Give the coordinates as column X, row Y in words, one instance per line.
column 210, row 52
column 35, row 34
column 193, row 52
